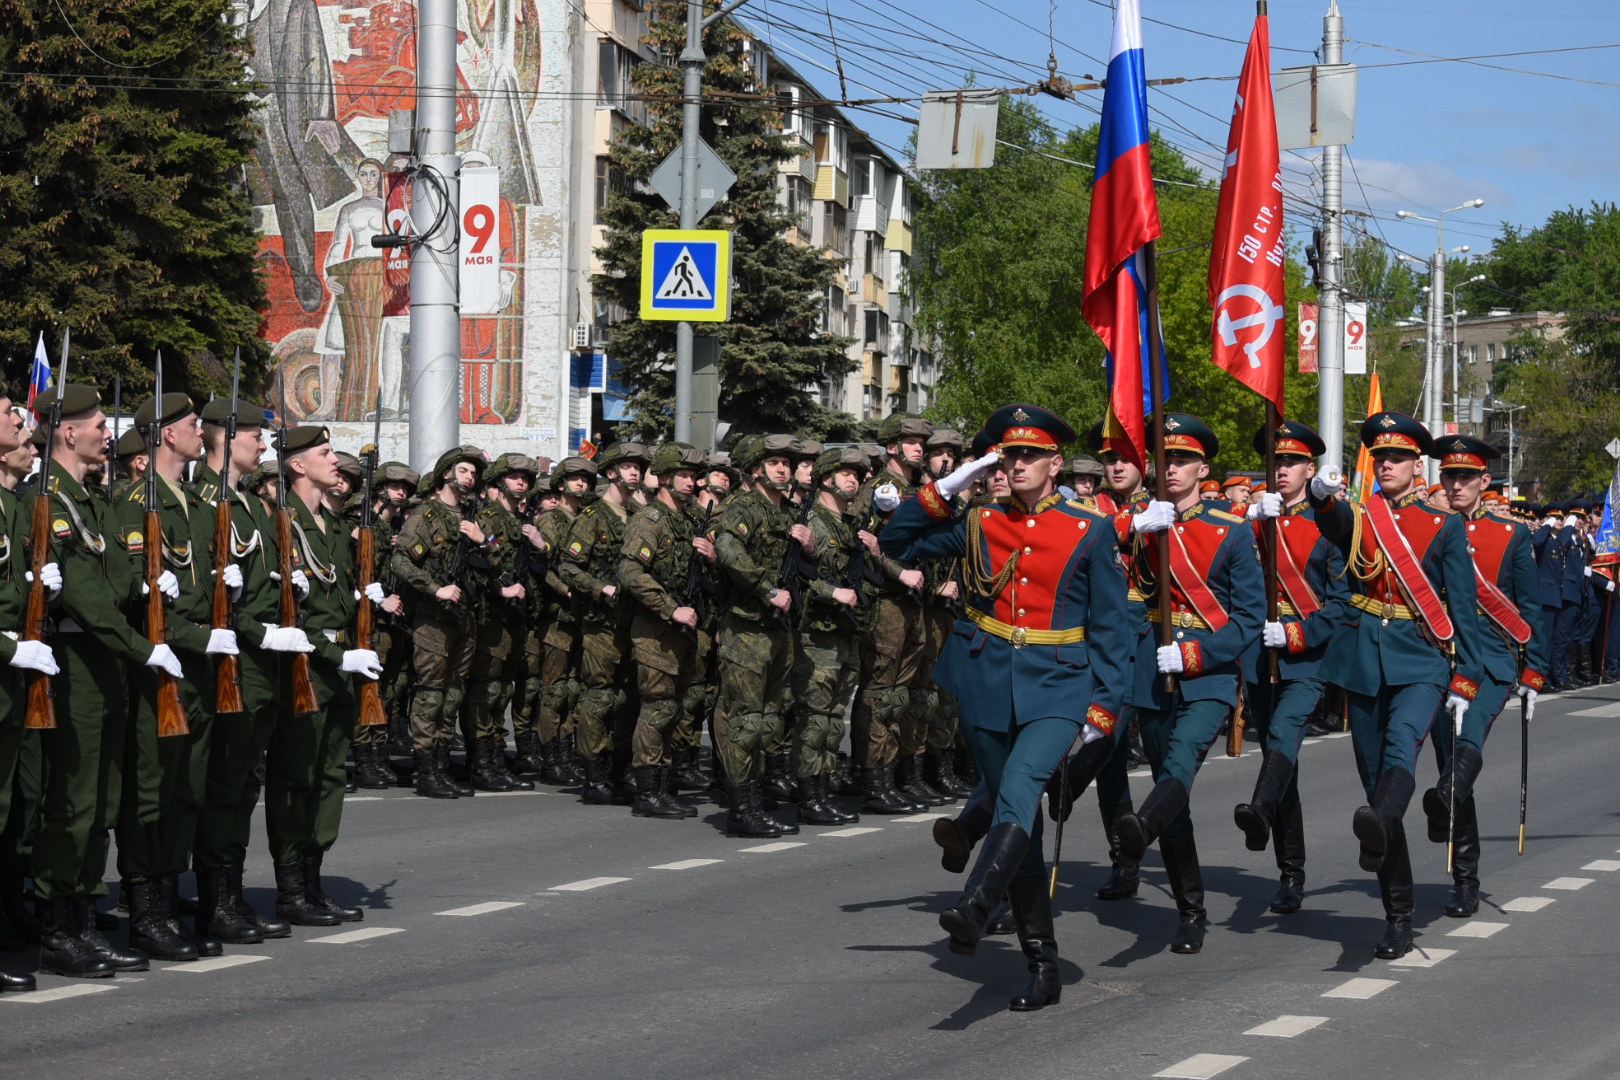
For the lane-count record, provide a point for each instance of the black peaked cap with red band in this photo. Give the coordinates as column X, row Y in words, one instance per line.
column 1464, row 452
column 1395, row 431
column 1187, row 434
column 1028, row 425
column 1294, row 439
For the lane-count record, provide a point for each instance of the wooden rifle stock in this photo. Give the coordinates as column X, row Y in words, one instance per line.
column 228, row 695
column 371, row 706
column 41, row 714
column 305, row 701
column 171, row 717
column 1234, row 728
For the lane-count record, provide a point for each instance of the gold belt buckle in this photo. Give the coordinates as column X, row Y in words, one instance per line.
column 1389, row 612
column 1019, row 636
column 1186, row 619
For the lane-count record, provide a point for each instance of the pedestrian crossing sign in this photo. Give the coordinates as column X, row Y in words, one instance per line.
column 686, row 275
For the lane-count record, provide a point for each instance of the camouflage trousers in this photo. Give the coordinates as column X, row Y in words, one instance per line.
column 664, row 659
column 604, row 717
column 526, row 694
column 393, row 644
column 755, row 667
column 824, row 673
column 937, row 708
column 442, row 654
column 888, row 722
column 701, row 691
column 560, row 689
column 497, row 658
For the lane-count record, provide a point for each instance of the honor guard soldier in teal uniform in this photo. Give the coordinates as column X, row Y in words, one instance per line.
column 1039, row 657
column 1513, row 656
column 1312, row 602
column 1216, row 604
column 1410, row 649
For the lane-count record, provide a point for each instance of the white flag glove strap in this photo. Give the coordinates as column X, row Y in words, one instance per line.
column 374, row 592
column 35, row 656
column 1456, row 705
column 969, row 471
column 163, row 659
column 1089, row 734
column 1326, row 485
column 1529, row 697
column 232, row 577
column 286, row 639
column 1268, row 504
column 362, row 662
column 301, row 583
column 1170, row 660
column 1274, row 636
column 50, row 575
column 1154, row 517
column 221, row 643
column 886, row 498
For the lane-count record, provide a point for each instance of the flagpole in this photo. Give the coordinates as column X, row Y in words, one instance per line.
column 1270, row 527
column 1161, row 484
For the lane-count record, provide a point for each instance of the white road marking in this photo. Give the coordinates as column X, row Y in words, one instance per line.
column 685, row 864
column 859, row 830
column 1201, row 1066
column 1603, row 864
column 215, row 963
column 780, row 845
column 1420, row 957
column 1528, row 903
column 482, row 909
column 493, row 794
column 1569, row 884
column 1471, row 928
column 351, row 936
column 362, row 798
column 1335, row 735
column 1139, row 773
column 925, row 816
column 1286, row 1027
column 587, row 884
column 40, row 997
column 1360, row 989
column 1610, row 709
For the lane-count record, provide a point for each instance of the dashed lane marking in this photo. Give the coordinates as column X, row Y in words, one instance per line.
column 1528, row 903
column 1201, row 1066
column 214, row 963
column 587, row 884
column 1475, row 929
column 350, row 937
column 363, row 798
column 1286, row 1027
column 1610, row 709
column 685, row 864
column 482, row 909
column 1335, row 735
column 780, row 845
column 1569, row 884
column 1603, row 864
column 1420, row 957
column 1360, row 989
column 60, row 993
column 924, row 816
column 859, row 830
column 497, row 794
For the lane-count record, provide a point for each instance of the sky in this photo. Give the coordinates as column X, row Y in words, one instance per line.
column 1429, row 136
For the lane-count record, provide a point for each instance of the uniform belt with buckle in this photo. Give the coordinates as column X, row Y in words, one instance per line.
column 1024, row 635
column 1385, row 611
column 1187, row 620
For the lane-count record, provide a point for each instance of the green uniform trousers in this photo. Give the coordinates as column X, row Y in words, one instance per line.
column 304, row 779
column 603, row 716
column 756, row 666
column 164, row 779
column 492, row 681
column 235, row 764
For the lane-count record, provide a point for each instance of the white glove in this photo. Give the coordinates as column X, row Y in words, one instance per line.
column 301, row 583
column 886, row 498
column 1572, row 522
column 35, row 656
column 168, row 585
column 1274, row 636
column 362, row 662
column 50, row 575
column 967, row 472
column 1609, row 585
column 232, row 577
column 221, row 643
column 1170, row 660
column 1325, row 486
column 1089, row 734
column 374, row 593
column 1588, row 570
column 1456, row 705
column 163, row 659
column 285, row 639
column 1267, row 504
column 1529, row 697
column 1154, row 517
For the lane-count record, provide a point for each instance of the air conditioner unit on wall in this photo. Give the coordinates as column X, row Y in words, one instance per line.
column 583, row 335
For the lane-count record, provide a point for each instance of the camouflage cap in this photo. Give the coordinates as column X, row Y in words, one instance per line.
column 844, row 457
column 455, row 456
column 903, row 426
column 946, row 437
column 626, row 451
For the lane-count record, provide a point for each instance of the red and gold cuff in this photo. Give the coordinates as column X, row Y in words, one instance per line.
column 933, row 503
column 1192, row 659
column 1296, row 637
column 1532, row 679
column 1466, row 687
column 1101, row 719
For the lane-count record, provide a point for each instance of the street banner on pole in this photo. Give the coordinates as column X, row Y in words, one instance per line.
column 1355, row 339
column 397, row 261
column 481, row 240
column 1308, row 353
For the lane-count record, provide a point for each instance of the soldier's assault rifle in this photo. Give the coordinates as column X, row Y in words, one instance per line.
column 695, row 593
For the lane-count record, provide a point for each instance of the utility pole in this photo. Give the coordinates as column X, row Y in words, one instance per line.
column 1330, row 313
column 434, row 398
column 1434, row 386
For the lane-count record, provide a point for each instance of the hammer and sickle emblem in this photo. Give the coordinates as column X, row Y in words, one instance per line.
column 1269, row 317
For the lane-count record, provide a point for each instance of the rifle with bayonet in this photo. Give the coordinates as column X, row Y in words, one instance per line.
column 171, row 716
column 112, row 444
column 695, row 593
column 371, row 706
column 305, row 701
column 41, row 710
column 228, row 676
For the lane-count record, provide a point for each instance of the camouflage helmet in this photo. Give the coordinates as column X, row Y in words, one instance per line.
column 844, row 457
column 625, row 451
column 946, row 438
column 806, row 448
column 397, row 472
column 876, row 453
column 742, row 451
column 903, row 426
column 507, row 464
column 673, row 456
column 571, row 466
column 782, row 446
column 455, row 456
column 720, row 461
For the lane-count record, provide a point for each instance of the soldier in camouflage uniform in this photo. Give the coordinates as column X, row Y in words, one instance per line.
column 936, row 709
column 756, row 642
column 370, row 745
column 396, row 485
column 442, row 628
column 892, row 651
column 689, row 772
column 590, row 568
column 530, row 759
column 556, row 687
column 502, row 612
column 654, row 568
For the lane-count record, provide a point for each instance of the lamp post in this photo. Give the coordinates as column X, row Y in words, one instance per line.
column 1456, row 399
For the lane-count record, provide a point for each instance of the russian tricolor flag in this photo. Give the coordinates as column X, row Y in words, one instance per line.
column 39, row 376
column 1124, row 217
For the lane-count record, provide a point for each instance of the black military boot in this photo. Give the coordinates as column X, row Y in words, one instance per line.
column 217, row 916
column 745, row 818
column 1375, row 823
column 429, row 783
column 149, row 931
column 958, row 837
column 1004, row 849
column 666, row 778
column 598, row 790
column 1465, row 864
column 1138, row 829
column 16, row 909
column 881, row 797
column 375, row 773
column 499, row 767
column 551, row 758
column 1582, row 667
column 1437, row 801
column 1002, row 922
column 622, row 781
column 84, row 917
column 1031, row 904
column 570, row 760
column 814, row 808
column 1070, row 779
column 942, row 776
column 484, row 776
column 1123, row 881
column 1288, row 837
column 441, row 764
column 317, row 894
column 530, row 760
column 1255, row 816
column 1187, row 886
column 756, row 791
column 10, row 940
column 61, row 950
column 687, row 776
column 1395, row 884
column 778, row 782
column 268, row 925
column 292, row 901
column 847, row 779
column 169, row 893
column 650, row 800
column 909, row 779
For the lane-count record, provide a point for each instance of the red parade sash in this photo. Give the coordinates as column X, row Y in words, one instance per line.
column 1501, row 610
column 1420, row 594
column 1292, row 580
column 1193, row 586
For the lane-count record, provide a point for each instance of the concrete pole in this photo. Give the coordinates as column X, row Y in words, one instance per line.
column 692, row 61
column 1330, row 316
column 1434, row 392
column 434, row 398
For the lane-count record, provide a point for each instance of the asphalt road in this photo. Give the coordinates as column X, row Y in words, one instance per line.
column 528, row 935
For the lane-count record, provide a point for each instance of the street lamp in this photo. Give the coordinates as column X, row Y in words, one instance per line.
column 1456, row 400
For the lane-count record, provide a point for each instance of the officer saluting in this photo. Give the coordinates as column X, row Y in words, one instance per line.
column 1044, row 634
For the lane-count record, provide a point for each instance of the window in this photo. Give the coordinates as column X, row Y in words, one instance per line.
column 794, row 121
column 860, row 181
column 1490, row 352
column 800, row 201
column 1473, row 354
column 876, row 336
column 835, row 228
column 832, row 146
column 834, row 317
column 613, row 85
column 607, row 182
